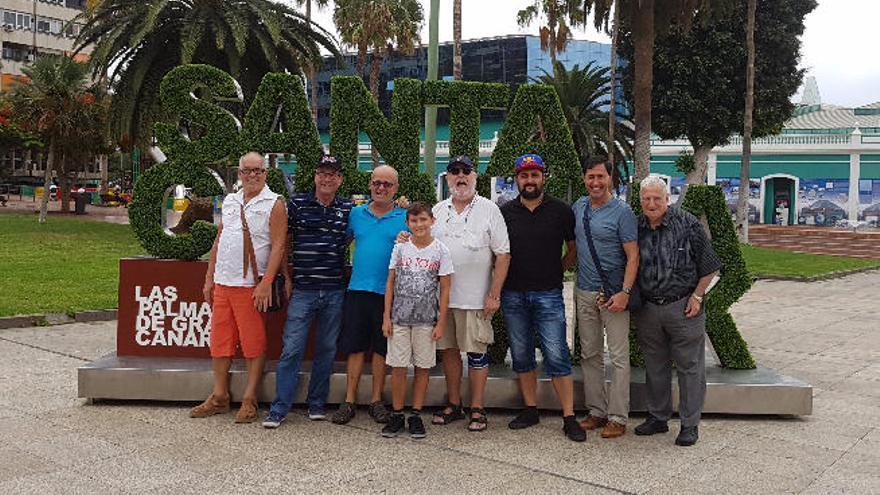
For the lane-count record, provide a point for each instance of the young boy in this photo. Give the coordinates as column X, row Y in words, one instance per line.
column 416, row 300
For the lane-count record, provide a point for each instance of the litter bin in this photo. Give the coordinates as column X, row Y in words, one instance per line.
column 82, row 199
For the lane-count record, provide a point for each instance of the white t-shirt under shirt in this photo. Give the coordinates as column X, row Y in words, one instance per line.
column 472, row 237
column 417, row 281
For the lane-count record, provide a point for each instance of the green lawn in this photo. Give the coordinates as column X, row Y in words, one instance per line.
column 764, row 261
column 66, row 265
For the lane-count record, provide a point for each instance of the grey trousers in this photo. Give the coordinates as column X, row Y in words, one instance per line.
column 666, row 336
column 594, row 324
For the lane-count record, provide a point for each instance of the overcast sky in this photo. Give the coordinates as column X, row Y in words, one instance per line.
column 837, row 44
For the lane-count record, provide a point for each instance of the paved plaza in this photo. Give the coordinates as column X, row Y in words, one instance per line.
column 826, row 333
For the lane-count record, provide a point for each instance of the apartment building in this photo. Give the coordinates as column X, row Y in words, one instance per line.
column 41, row 26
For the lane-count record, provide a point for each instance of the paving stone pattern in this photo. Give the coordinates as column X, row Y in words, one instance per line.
column 823, row 332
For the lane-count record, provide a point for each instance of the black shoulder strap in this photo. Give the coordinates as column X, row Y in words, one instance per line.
column 589, row 235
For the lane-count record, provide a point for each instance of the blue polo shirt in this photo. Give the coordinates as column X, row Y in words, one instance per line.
column 612, row 225
column 373, row 242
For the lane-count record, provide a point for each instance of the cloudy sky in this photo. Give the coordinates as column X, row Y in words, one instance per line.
column 836, row 45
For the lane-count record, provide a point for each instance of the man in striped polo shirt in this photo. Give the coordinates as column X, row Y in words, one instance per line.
column 317, row 239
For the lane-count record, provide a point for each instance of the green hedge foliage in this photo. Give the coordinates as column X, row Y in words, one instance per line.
column 465, row 99
column 217, row 127
column 148, row 205
column 536, row 103
column 396, row 138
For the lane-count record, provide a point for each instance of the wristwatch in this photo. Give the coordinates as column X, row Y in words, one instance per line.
column 627, row 290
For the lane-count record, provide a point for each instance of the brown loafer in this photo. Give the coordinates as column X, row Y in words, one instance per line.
column 248, row 411
column 212, row 405
column 613, row 429
column 593, row 422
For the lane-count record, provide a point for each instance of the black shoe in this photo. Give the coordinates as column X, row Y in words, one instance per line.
column 394, row 426
column 687, row 436
column 379, row 412
column 416, row 427
column 344, row 414
column 528, row 417
column 573, row 429
column 651, row 426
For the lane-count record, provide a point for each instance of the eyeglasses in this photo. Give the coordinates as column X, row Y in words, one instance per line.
column 458, row 171
column 252, row 171
column 327, row 175
column 382, row 183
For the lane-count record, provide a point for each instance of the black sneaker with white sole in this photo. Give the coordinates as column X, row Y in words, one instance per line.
column 394, row 427
column 416, row 426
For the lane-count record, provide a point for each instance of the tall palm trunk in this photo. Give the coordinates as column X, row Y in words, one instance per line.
column 643, row 42
column 551, row 36
column 742, row 202
column 47, row 180
column 312, row 72
column 374, row 90
column 612, row 106
column 456, row 40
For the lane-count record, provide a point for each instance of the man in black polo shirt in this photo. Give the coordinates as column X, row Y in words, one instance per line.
column 677, row 266
column 538, row 226
column 317, row 240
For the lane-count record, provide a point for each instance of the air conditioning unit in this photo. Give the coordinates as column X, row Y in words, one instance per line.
column 29, row 57
column 8, row 27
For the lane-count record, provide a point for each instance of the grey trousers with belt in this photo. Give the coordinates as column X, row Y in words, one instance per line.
column 666, row 336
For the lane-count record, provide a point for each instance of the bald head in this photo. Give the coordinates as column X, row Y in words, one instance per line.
column 251, row 159
column 383, row 185
column 385, row 172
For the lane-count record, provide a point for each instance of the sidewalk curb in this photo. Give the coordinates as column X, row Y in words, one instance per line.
column 816, row 278
column 50, row 319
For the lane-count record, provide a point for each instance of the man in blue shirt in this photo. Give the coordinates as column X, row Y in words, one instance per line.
column 374, row 227
column 318, row 243
column 614, row 232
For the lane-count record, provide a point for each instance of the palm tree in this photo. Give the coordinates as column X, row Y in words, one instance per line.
column 643, row 19
column 556, row 34
column 379, row 25
column 584, row 94
column 742, row 202
column 312, row 70
column 456, row 40
column 60, row 105
column 136, row 42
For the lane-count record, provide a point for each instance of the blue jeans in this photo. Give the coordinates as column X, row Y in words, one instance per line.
column 325, row 307
column 541, row 312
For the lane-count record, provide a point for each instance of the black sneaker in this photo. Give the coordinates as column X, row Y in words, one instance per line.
column 416, row 426
column 379, row 412
column 687, row 436
column 573, row 429
column 651, row 426
column 344, row 414
column 528, row 417
column 394, row 426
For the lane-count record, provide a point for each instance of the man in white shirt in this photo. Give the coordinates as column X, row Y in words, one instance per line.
column 473, row 229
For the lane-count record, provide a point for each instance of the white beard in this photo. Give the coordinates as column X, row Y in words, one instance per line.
column 463, row 193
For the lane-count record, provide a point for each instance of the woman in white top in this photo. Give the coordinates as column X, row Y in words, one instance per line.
column 231, row 284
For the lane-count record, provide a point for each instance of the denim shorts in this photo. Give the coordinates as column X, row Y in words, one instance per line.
column 536, row 312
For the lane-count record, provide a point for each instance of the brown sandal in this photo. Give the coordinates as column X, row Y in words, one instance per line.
column 248, row 411
column 210, row 407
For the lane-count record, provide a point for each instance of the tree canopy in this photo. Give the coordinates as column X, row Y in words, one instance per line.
column 136, row 42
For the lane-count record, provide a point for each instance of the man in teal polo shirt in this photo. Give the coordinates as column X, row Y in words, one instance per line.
column 374, row 227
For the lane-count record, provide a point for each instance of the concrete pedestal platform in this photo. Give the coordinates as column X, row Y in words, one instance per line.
column 758, row 391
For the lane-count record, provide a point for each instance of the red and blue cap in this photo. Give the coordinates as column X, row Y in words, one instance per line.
column 529, row 161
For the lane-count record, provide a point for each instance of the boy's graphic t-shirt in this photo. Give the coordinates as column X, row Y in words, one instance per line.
column 417, row 281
